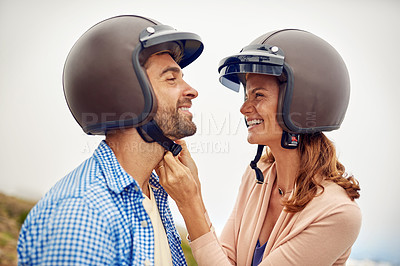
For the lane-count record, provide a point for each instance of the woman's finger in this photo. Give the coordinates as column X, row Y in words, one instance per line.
column 184, row 156
column 171, row 161
column 160, row 168
column 185, row 150
column 186, row 159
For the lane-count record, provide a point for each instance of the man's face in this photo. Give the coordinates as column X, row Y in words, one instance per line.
column 174, row 96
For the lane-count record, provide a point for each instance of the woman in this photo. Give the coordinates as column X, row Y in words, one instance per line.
column 297, row 207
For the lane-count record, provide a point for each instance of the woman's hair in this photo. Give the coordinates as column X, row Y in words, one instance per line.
column 317, row 159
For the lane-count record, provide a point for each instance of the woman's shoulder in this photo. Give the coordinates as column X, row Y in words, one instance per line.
column 333, row 199
column 335, row 193
column 334, row 207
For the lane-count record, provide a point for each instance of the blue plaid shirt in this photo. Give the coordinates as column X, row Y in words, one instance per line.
column 95, row 216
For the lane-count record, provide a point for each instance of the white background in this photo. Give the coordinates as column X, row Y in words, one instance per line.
column 41, row 142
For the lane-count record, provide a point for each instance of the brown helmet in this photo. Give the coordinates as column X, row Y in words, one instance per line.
column 314, row 82
column 315, row 86
column 105, row 84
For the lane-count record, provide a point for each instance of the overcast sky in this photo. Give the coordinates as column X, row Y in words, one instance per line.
column 41, row 141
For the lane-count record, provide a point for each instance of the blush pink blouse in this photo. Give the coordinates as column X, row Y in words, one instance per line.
column 321, row 234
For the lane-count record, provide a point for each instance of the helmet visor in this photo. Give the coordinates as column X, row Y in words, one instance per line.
column 191, row 44
column 259, row 59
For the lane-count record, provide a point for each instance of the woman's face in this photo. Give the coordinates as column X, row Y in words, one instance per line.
column 260, row 109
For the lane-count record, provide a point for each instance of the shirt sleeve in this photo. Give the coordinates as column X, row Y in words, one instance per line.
column 66, row 233
column 322, row 242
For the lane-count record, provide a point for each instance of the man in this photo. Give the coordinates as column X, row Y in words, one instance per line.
column 122, row 79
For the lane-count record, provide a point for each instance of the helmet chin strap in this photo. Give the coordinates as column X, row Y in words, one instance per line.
column 288, row 141
column 253, row 165
column 155, row 133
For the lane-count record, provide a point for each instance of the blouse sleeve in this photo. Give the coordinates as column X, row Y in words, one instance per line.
column 209, row 250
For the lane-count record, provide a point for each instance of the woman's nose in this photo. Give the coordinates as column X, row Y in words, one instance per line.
column 246, row 107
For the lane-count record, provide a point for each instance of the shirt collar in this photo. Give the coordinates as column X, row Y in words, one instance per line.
column 116, row 177
column 155, row 181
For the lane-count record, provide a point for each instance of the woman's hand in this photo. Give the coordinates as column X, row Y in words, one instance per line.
column 186, row 159
column 178, row 175
column 177, row 179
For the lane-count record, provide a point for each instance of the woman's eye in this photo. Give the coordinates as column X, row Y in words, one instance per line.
column 259, row 95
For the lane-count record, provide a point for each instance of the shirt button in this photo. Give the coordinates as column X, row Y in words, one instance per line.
column 136, row 188
column 147, row 262
column 143, row 223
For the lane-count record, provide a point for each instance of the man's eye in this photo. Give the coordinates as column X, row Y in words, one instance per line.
column 171, row 80
column 259, row 95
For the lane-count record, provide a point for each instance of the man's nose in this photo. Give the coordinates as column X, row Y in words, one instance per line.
column 190, row 92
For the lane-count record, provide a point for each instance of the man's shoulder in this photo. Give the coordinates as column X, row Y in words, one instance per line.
column 71, row 190
column 76, row 183
column 68, row 218
column 73, row 198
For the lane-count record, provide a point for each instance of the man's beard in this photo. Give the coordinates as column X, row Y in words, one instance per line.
column 173, row 124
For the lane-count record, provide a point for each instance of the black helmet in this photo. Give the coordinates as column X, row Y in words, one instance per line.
column 314, row 81
column 105, row 85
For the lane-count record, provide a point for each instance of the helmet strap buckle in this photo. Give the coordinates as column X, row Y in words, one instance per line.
column 290, row 140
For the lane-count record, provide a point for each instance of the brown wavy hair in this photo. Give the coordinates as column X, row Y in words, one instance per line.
column 317, row 159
